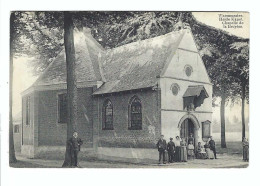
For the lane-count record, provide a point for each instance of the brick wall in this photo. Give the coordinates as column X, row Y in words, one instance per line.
column 53, row 133
column 121, row 136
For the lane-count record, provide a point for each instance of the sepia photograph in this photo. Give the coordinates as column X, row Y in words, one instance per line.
column 129, row 89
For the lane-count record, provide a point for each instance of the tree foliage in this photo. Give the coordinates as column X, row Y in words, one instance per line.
column 41, row 33
column 240, row 66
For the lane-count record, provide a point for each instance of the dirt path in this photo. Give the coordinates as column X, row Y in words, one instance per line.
column 223, row 161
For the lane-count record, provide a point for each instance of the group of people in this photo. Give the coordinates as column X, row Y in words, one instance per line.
column 178, row 151
column 182, row 149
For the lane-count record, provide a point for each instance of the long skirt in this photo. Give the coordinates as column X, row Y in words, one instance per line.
column 245, row 153
column 209, row 153
column 190, row 152
column 201, row 155
column 177, row 155
column 184, row 154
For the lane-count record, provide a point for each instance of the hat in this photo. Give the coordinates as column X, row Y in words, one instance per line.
column 171, row 138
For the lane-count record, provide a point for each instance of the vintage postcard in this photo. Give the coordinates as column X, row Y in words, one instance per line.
column 131, row 89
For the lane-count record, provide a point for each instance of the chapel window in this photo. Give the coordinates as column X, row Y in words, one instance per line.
column 16, row 128
column 188, row 70
column 175, row 89
column 108, row 115
column 135, row 114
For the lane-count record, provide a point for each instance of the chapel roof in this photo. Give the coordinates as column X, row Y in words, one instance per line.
column 137, row 65
column 132, row 66
column 87, row 51
column 195, row 90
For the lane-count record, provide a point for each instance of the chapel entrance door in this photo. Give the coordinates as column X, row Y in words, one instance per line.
column 187, row 128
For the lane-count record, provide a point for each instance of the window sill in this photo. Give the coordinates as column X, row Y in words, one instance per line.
column 135, row 129
column 107, row 129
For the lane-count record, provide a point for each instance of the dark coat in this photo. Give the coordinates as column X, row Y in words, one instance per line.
column 171, row 146
column 75, row 143
column 212, row 144
column 161, row 145
column 191, row 139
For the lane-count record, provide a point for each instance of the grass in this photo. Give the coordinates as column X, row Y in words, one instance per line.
column 233, row 148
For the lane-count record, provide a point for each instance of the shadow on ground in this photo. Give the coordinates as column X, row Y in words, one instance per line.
column 26, row 164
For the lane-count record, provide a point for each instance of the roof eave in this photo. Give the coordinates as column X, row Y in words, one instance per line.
column 123, row 91
column 59, row 86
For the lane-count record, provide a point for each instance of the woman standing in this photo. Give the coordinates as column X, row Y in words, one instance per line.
column 208, row 151
column 190, row 149
column 245, row 150
column 178, row 149
column 184, row 155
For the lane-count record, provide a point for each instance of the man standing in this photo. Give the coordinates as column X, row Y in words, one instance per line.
column 212, row 146
column 162, row 146
column 171, row 150
column 75, row 143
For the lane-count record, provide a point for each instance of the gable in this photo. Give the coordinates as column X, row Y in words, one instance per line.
column 188, row 42
column 187, row 56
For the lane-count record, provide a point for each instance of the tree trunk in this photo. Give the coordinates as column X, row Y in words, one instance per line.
column 243, row 111
column 71, row 83
column 223, row 124
column 12, row 158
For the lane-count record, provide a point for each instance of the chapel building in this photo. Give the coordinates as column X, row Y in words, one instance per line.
column 127, row 96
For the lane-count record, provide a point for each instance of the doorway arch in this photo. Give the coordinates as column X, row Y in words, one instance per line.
column 192, row 118
column 189, row 124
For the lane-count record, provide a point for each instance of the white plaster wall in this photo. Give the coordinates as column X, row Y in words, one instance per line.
column 170, row 101
column 187, row 54
column 188, row 41
column 27, row 151
column 176, row 67
column 171, row 119
column 171, row 105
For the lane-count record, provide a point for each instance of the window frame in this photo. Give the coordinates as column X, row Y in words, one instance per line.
column 130, row 114
column 15, row 129
column 104, row 114
column 177, row 86
column 191, row 70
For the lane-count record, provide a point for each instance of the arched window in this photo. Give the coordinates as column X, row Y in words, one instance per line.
column 135, row 114
column 108, row 115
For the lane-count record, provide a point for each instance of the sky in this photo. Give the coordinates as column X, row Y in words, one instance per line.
column 222, row 20
column 23, row 77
